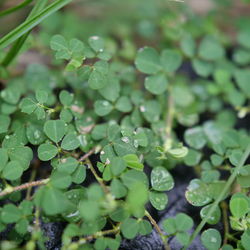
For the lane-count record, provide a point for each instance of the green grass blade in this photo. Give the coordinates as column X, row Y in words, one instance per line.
column 15, row 8
column 18, row 44
column 223, row 192
column 31, row 23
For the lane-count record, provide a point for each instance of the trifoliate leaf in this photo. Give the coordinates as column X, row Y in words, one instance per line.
column 96, row 43
column 4, row 158
column 4, row 123
column 118, row 189
column 178, row 152
column 41, row 96
column 12, row 171
column 171, row 60
column 123, row 104
column 133, row 161
column 60, row 180
column 130, row 228
column 183, row 222
column 239, row 207
column 59, row 44
column 27, row 105
column 198, row 193
column 55, row 129
column 11, row 95
column 118, row 165
column 79, row 175
column 156, row 84
column 211, row 239
column 10, row 213
column 158, row 200
column 70, row 142
column 148, row 61
column 243, row 38
column 188, row 45
column 214, row 217
column 195, row 137
column 161, row 179
column 202, row 68
column 210, row 49
column 145, row 227
column 66, row 98
column 53, row 201
column 89, row 210
column 67, row 165
column 35, row 134
column 102, row 107
column 47, row 151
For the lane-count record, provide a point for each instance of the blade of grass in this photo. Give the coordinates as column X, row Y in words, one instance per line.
column 15, row 8
column 18, row 44
column 222, row 194
column 31, row 23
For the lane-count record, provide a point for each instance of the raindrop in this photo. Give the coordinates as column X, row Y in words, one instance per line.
column 213, row 239
column 125, row 139
column 95, row 38
column 37, row 134
column 105, row 103
column 142, row 109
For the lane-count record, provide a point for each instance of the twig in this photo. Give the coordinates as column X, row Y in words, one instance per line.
column 157, row 228
column 224, row 208
column 32, row 178
column 9, row 190
column 99, row 179
column 84, row 157
column 100, row 234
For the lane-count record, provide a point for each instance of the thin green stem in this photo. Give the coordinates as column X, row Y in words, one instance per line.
column 221, row 195
column 115, row 230
column 99, row 179
column 84, row 157
column 15, row 8
column 157, row 228
column 224, row 208
column 9, row 189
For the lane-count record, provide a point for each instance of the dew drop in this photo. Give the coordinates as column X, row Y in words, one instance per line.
column 125, row 139
column 105, row 103
column 213, row 239
column 95, row 38
column 37, row 134
column 73, row 214
column 142, row 109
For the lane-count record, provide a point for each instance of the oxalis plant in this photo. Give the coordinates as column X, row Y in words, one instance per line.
column 92, row 138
